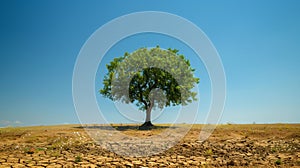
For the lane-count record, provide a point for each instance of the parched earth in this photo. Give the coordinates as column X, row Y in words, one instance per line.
column 271, row 145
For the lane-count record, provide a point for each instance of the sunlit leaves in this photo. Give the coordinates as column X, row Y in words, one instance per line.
column 153, row 77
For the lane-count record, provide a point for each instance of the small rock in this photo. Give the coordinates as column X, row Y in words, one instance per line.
column 137, row 162
column 129, row 165
column 249, row 154
column 185, row 145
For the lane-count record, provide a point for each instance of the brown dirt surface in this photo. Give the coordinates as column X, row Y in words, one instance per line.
column 231, row 145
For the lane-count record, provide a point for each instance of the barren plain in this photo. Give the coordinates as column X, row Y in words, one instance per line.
column 230, row 145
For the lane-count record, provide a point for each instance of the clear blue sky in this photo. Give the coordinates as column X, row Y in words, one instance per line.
column 258, row 42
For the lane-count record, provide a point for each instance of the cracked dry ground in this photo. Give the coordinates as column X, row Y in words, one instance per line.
column 274, row 145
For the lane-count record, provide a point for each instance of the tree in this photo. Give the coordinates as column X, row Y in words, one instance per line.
column 150, row 78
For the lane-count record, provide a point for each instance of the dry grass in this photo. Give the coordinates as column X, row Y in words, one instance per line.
column 276, row 143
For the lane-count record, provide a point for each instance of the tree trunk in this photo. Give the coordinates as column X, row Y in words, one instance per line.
column 148, row 115
column 148, row 123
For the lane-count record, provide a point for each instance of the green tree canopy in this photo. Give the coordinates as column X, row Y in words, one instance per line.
column 150, row 78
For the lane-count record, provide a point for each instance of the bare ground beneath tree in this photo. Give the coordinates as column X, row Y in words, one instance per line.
column 272, row 145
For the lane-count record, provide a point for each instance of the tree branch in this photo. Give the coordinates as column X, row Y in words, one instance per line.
column 141, row 97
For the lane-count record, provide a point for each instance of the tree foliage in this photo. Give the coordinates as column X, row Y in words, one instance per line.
column 150, row 78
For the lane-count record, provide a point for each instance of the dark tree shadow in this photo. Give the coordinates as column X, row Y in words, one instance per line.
column 124, row 127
